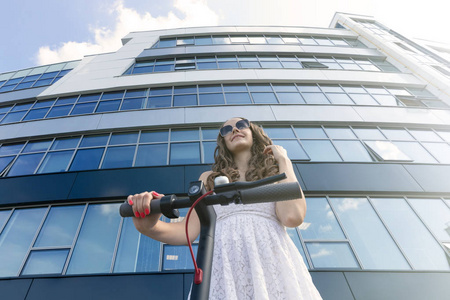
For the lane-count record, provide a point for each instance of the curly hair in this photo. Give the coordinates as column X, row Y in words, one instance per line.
column 260, row 165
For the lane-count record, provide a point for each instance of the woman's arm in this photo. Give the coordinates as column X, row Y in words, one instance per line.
column 291, row 213
column 150, row 225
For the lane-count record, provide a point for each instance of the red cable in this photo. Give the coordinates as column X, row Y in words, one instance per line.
column 198, row 277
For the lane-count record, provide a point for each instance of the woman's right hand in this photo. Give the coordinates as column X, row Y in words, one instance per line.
column 141, row 209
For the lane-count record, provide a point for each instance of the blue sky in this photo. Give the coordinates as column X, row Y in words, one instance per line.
column 49, row 31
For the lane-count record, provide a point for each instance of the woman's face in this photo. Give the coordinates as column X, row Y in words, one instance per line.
column 239, row 139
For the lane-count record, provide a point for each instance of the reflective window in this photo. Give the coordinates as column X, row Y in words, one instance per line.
column 321, row 150
column 5, row 161
column 352, row 151
column 184, row 135
column 320, row 222
column 94, row 140
column 9, row 149
column 65, row 143
column 387, row 151
column 397, row 134
column 36, row 146
column 310, row 133
column 435, row 214
column 279, row 132
column 184, row 153
column 369, row 134
column 293, row 148
column 119, row 157
column 25, row 164
column 422, row 250
column 94, row 249
column 56, row 162
column 176, row 257
column 87, row 159
column 208, row 152
column 440, row 151
column 136, row 252
column 123, row 138
column 415, row 151
column 60, row 226
column 45, row 262
column 332, row 255
column 425, row 135
column 371, row 240
column 154, row 136
column 18, row 235
column 151, row 155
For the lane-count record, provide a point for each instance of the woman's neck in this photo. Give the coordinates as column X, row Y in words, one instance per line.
column 242, row 159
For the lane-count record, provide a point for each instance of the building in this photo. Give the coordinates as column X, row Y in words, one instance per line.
column 362, row 110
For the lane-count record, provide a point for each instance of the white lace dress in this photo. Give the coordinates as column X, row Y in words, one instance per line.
column 254, row 258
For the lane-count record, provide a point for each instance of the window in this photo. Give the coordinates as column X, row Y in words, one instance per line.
column 387, row 151
column 313, row 65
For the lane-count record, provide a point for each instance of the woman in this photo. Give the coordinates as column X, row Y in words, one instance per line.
column 254, row 258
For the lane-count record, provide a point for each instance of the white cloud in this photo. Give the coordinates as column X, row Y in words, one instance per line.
column 195, row 13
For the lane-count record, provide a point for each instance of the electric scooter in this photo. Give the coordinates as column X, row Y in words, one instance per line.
column 224, row 193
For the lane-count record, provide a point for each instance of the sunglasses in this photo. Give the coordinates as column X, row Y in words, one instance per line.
column 227, row 129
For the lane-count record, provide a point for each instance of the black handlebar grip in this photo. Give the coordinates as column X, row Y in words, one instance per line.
column 272, row 192
column 126, row 210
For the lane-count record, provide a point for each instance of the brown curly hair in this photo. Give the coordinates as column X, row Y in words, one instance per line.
column 260, row 165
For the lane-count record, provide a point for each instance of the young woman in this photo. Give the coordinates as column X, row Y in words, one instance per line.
column 254, row 258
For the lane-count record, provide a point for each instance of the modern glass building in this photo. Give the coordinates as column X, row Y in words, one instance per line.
column 363, row 111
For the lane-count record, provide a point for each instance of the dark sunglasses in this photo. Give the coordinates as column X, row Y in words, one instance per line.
column 227, row 129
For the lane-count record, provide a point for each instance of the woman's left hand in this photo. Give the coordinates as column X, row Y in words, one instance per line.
column 278, row 152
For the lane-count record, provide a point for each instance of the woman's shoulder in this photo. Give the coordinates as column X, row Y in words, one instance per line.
column 205, row 175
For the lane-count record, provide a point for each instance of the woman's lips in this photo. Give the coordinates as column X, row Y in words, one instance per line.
column 237, row 135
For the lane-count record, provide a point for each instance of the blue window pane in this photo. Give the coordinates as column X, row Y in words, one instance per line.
column 94, row 249
column 184, row 153
column 7, row 88
column 87, row 159
column 13, row 117
column 235, row 88
column 362, row 99
column 238, row 98
column 160, row 91
column 31, row 78
column 9, row 149
column 167, row 43
column 185, row 90
column 435, row 214
column 164, row 68
column 88, row 98
column 85, row 108
column 352, row 151
column 56, row 162
column 60, row 226
column 320, row 222
column 315, row 98
column 46, row 103
column 37, row 146
column 203, row 40
column 4, row 162
column 184, row 135
column 16, row 239
column 310, row 133
column 123, row 138
column 211, row 99
column 340, row 133
column 422, row 250
column 59, row 111
column 264, row 98
column 284, row 88
column 332, row 255
column 293, row 148
column 279, row 132
column 5, row 109
column 4, row 215
column 250, row 65
column 206, row 65
column 271, row 64
column 185, row 100
column 106, row 106
column 152, row 155
column 154, row 136
column 293, row 234
column 156, row 102
column 320, row 150
column 398, row 134
column 208, row 152
column 20, row 107
column 372, row 242
column 136, row 252
column 25, row 164
column 119, row 157
column 136, row 93
column 35, row 114
column 66, row 100
column 178, row 257
column 43, row 82
column 144, row 70
column 260, row 88
column 45, row 262
column 94, row 140
column 210, row 133
column 288, row 98
column 49, row 75
column 112, row 95
column 24, row 85
column 228, row 65
column 340, row 99
column 133, row 103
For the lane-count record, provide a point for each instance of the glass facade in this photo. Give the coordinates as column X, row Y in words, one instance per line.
column 365, row 233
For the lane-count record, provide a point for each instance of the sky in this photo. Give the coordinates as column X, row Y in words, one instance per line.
column 49, row 31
